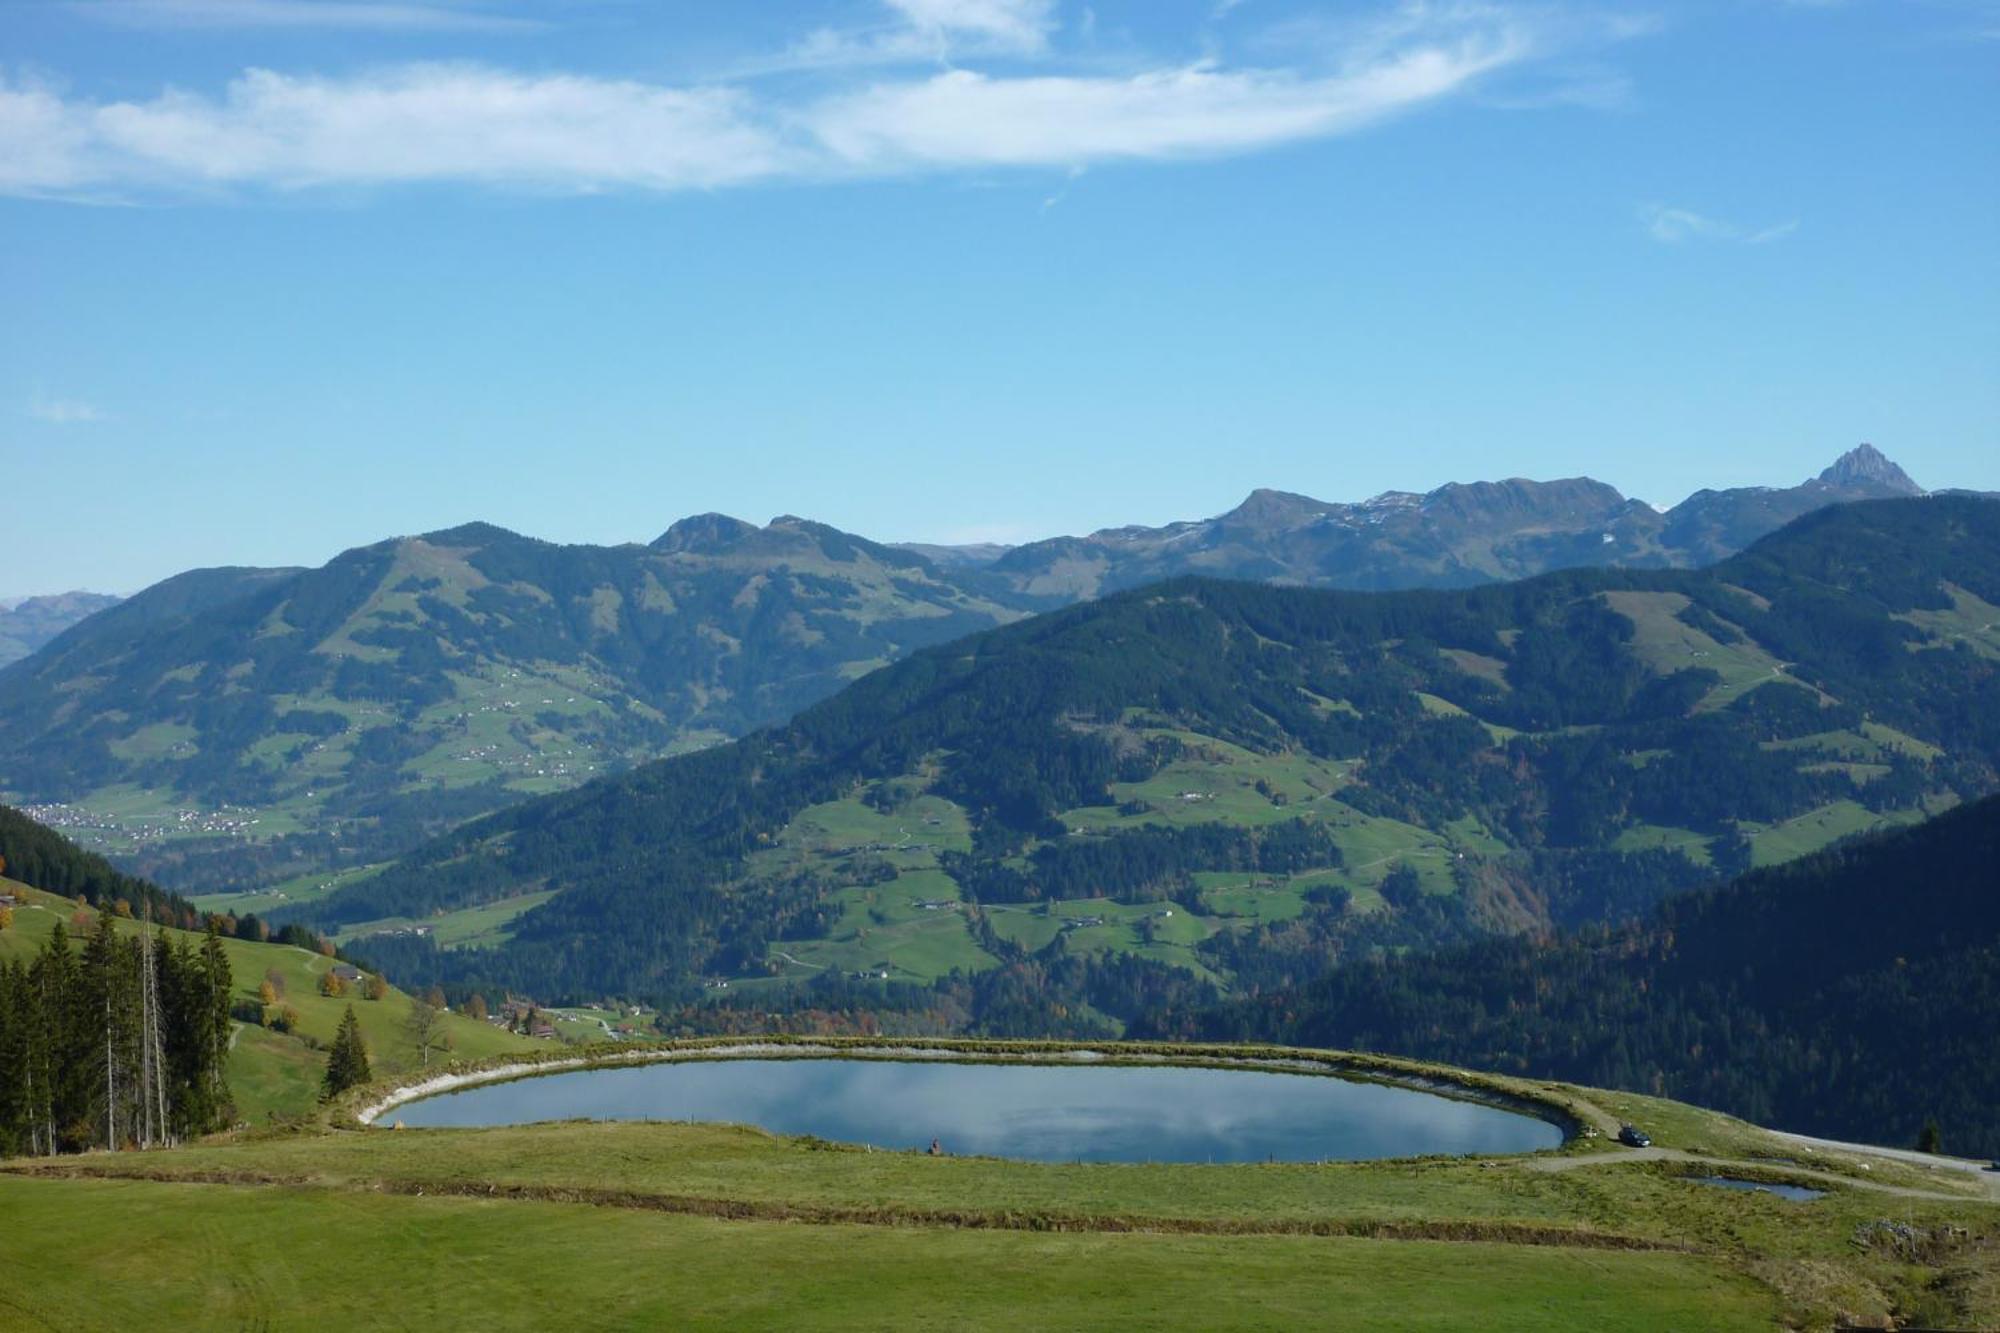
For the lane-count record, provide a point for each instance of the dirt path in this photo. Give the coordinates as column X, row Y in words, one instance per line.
column 1989, row 1180
column 1722, row 1165
column 780, row 953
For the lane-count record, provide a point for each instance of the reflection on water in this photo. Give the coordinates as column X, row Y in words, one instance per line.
column 1050, row 1113
column 1796, row 1193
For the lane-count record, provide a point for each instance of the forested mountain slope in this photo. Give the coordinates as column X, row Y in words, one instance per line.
column 1236, row 785
column 233, row 728
column 1854, row 993
column 294, row 718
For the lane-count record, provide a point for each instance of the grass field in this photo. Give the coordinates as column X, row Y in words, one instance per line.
column 1216, row 782
column 1667, row 644
column 1099, row 925
column 1970, row 621
column 1647, row 837
column 143, row 1254
column 481, row 927
column 886, row 926
column 1807, row 833
column 644, row 1225
column 290, row 893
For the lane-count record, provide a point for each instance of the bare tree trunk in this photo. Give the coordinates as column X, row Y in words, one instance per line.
column 152, row 1052
column 110, row 1076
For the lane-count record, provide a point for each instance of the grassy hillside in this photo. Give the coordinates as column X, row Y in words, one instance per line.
column 501, row 1227
column 1211, row 787
column 271, row 1072
column 240, row 727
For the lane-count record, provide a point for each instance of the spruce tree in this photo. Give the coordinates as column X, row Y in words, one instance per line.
column 347, row 1065
column 215, row 1023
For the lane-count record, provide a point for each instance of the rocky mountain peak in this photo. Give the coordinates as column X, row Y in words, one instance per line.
column 703, row 534
column 1865, row 467
column 1268, row 509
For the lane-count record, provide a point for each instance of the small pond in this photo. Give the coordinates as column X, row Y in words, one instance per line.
column 1036, row 1112
column 1796, row 1193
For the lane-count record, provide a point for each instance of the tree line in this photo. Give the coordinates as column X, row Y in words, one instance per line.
column 118, row 1044
column 1853, row 993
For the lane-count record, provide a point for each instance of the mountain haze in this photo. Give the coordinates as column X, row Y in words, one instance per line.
column 26, row 623
column 1455, row 536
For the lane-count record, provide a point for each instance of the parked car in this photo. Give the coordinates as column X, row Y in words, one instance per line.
column 1634, row 1137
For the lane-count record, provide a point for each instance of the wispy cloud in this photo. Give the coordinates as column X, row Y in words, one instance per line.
column 1676, row 226
column 475, row 124
column 962, row 118
column 64, row 411
column 926, row 31
column 361, row 15
column 416, row 123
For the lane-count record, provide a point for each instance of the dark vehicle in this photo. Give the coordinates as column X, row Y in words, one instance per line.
column 1634, row 1137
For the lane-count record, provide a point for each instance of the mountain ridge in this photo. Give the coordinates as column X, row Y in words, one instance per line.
column 1218, row 783
column 128, row 730
column 29, row 623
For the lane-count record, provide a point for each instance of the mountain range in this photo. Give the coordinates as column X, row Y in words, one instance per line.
column 1453, row 537
column 234, row 727
column 1205, row 788
column 26, row 623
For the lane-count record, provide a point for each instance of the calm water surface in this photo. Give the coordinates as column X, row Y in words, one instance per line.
column 1048, row 1113
column 1796, row 1193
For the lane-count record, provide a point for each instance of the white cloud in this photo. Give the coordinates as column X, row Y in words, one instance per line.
column 64, row 411
column 415, row 123
column 474, row 124
column 961, row 118
column 1674, row 226
column 1021, row 25
column 367, row 15
column 926, row 32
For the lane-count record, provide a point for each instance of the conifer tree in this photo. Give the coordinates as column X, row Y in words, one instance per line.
column 209, row 987
column 347, row 1065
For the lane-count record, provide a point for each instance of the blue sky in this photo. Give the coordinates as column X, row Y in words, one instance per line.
column 287, row 276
